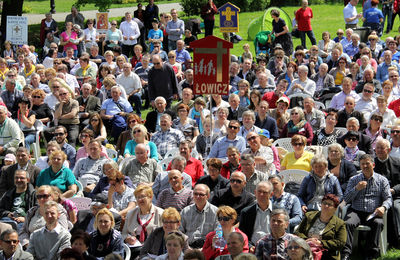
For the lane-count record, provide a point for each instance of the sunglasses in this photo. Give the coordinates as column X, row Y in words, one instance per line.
column 298, row 144
column 11, row 241
column 293, row 247
column 233, row 127
column 368, row 91
column 377, row 119
column 132, row 121
column 294, row 113
column 224, row 218
column 42, row 196
column 36, row 96
column 156, row 63
column 137, row 131
column 252, row 138
column 171, row 57
column 395, row 131
column 352, row 139
column 59, row 134
column 235, row 181
column 279, row 57
column 113, row 24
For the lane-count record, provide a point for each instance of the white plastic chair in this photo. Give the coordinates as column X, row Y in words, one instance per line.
column 285, row 143
column 127, row 252
column 383, row 243
column 165, row 162
column 303, row 95
column 342, row 130
column 172, row 153
column 36, row 145
column 319, row 105
column 295, row 176
column 81, row 203
column 112, row 154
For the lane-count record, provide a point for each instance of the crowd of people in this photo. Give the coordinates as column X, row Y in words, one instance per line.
column 198, row 177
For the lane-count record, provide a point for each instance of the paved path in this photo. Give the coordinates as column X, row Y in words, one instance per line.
column 60, row 17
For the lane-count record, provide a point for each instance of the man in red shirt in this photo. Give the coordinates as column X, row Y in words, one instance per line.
column 303, row 18
column 273, row 96
column 193, row 167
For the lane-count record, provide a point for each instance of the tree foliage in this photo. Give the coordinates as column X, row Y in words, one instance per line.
column 102, row 5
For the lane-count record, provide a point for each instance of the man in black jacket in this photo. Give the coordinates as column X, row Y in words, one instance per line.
column 364, row 141
column 235, row 110
column 254, row 220
column 389, row 167
column 162, row 81
column 23, row 162
column 16, row 202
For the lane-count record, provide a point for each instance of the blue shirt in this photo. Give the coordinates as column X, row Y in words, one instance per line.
column 71, row 154
column 111, row 108
column 382, row 73
column 182, row 56
column 153, row 34
column 351, row 50
column 218, row 150
column 372, row 15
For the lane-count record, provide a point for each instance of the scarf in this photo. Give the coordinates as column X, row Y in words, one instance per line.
column 350, row 153
column 143, row 233
column 295, row 128
column 27, row 74
column 315, row 202
column 3, row 74
column 84, row 70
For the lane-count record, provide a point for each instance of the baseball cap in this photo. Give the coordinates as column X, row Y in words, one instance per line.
column 283, row 99
column 264, row 132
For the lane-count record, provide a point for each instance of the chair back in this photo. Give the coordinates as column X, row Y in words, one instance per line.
column 81, row 203
column 285, row 143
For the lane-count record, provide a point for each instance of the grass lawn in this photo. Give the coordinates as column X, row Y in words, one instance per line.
column 43, row 6
column 326, row 18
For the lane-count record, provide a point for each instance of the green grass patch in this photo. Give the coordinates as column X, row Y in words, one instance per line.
column 42, row 7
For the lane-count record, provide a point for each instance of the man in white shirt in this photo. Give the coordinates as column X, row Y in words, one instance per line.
column 367, row 103
column 338, row 100
column 130, row 81
column 350, row 14
column 130, row 32
column 395, row 135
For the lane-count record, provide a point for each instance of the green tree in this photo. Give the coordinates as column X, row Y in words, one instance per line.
column 102, row 5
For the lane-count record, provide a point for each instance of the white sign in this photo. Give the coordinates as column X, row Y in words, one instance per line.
column 17, row 30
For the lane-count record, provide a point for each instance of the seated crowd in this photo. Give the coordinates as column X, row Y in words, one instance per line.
column 197, row 177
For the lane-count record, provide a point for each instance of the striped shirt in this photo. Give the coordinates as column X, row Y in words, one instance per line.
column 167, row 140
column 178, row 200
column 376, row 194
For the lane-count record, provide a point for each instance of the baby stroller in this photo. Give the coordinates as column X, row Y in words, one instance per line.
column 263, row 43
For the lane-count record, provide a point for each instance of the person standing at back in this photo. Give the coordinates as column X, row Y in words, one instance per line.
column 303, row 18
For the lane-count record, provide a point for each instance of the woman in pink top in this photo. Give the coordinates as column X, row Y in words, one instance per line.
column 69, row 39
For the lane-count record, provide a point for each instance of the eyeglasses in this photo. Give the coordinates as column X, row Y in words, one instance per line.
column 170, row 222
column 62, row 94
column 325, row 203
column 377, row 119
column 156, row 63
column 199, row 194
column 252, row 138
column 395, row 131
column 141, row 197
column 11, row 75
column 368, row 91
column 137, row 131
column 293, row 247
column 225, row 218
column 349, row 103
column 298, row 144
column 42, row 196
column 36, row 96
column 11, row 241
column 113, row 24
column 233, row 127
column 59, row 134
column 352, row 139
column 235, row 181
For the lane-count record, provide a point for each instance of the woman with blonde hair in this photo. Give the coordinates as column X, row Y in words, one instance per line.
column 109, row 56
column 155, row 242
column 120, row 60
column 143, row 220
column 140, row 136
column 105, row 239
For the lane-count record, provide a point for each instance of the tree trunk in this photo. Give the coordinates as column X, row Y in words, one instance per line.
column 12, row 8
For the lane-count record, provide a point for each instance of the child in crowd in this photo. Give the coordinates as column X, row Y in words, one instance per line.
column 155, row 34
column 189, row 37
column 8, row 52
column 246, row 52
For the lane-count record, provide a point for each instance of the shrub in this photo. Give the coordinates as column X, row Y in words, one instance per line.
column 192, row 7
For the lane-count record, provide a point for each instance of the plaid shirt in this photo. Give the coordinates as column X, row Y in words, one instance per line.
column 167, row 140
column 268, row 246
column 376, row 194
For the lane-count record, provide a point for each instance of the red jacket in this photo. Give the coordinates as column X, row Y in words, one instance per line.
column 209, row 16
column 303, row 18
column 211, row 253
column 225, row 170
column 194, row 168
